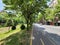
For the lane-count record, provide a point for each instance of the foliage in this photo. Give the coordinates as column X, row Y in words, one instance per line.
column 2, row 18
column 22, row 27
column 50, row 14
column 28, row 8
column 13, row 27
column 9, row 22
column 38, row 17
column 5, row 16
column 57, row 9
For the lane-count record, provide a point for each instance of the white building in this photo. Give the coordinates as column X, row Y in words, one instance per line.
column 53, row 3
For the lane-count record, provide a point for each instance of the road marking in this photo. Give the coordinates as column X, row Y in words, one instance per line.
column 42, row 41
column 31, row 37
column 30, row 41
column 51, row 41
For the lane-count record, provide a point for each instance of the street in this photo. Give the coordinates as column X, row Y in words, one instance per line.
column 38, row 38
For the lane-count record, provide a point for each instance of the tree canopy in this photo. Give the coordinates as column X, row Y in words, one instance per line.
column 28, row 8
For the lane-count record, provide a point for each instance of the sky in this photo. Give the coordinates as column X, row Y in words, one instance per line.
column 1, row 5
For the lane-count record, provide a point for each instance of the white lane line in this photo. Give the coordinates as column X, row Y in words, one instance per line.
column 32, row 37
column 42, row 41
column 51, row 41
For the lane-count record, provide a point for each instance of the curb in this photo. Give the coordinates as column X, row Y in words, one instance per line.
column 31, row 37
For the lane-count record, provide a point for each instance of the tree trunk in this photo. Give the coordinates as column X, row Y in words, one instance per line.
column 27, row 25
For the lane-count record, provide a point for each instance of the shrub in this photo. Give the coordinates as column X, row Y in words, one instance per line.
column 13, row 27
column 9, row 22
column 22, row 27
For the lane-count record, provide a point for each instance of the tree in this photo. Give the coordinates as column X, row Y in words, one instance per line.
column 57, row 9
column 28, row 8
column 50, row 14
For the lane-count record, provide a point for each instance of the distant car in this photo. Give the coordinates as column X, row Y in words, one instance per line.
column 58, row 23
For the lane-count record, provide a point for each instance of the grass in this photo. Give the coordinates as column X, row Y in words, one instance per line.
column 7, row 34
column 15, row 37
column 20, row 38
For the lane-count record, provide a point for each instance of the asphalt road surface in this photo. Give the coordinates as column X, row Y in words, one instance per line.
column 38, row 38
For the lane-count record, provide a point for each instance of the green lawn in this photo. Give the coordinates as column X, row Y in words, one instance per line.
column 15, row 37
column 7, row 34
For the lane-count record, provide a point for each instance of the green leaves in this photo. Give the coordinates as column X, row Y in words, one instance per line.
column 50, row 13
column 27, row 7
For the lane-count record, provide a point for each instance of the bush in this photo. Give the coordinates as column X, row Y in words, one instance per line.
column 15, row 22
column 22, row 27
column 9, row 22
column 2, row 22
column 13, row 27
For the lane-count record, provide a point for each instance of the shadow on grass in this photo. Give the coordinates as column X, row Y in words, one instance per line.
column 20, row 38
